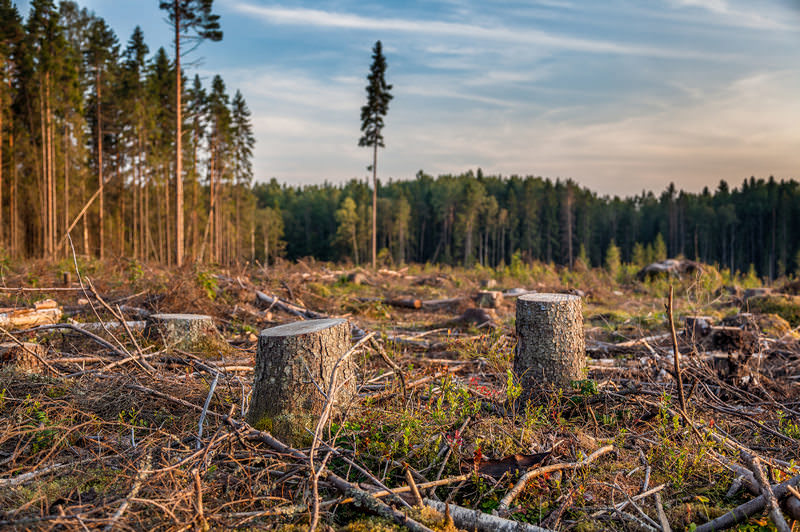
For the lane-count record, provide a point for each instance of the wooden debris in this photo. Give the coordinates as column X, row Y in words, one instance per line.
column 44, row 313
column 402, row 302
column 670, row 267
column 467, row 519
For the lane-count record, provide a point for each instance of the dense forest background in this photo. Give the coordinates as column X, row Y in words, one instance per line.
column 87, row 142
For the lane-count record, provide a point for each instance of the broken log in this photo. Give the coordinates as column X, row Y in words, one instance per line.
column 551, row 347
column 44, row 312
column 402, row 302
column 294, row 364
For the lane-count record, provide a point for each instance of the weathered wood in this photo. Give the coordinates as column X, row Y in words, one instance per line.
column 551, row 347
column 44, row 313
column 294, row 365
column 191, row 332
column 467, row 519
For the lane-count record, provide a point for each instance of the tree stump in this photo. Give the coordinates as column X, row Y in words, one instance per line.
column 550, row 343
column 292, row 361
column 190, row 332
column 489, row 298
column 22, row 357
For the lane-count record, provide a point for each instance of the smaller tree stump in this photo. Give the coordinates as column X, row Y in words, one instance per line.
column 190, row 332
column 22, row 357
column 489, row 298
column 293, row 363
column 550, row 342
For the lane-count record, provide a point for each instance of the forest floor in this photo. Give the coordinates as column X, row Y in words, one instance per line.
column 96, row 435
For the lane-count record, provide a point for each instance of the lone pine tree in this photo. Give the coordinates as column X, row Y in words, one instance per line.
column 372, row 114
column 191, row 19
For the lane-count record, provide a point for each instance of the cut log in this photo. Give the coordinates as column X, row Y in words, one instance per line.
column 294, row 363
column 22, row 357
column 402, row 302
column 669, row 267
column 489, row 298
column 44, row 312
column 550, row 346
column 191, row 332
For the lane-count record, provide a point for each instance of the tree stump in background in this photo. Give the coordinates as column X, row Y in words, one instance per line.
column 195, row 333
column 489, row 298
column 292, row 361
column 550, row 342
column 23, row 356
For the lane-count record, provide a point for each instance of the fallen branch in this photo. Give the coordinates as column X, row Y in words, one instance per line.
column 742, row 512
column 766, row 491
column 464, row 518
column 520, row 485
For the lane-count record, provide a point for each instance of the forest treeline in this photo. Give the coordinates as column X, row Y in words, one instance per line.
column 472, row 218
column 87, row 146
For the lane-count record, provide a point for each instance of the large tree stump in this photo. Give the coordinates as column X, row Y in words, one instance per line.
column 190, row 332
column 293, row 363
column 550, row 343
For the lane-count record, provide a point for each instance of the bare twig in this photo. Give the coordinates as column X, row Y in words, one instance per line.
column 676, row 352
column 520, row 485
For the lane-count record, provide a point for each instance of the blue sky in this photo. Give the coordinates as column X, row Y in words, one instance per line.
column 618, row 95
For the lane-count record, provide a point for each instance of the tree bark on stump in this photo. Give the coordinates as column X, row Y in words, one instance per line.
column 191, row 332
column 293, row 363
column 550, row 342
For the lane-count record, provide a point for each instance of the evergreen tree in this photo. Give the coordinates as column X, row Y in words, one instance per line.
column 191, row 19
column 101, row 55
column 612, row 262
column 372, row 114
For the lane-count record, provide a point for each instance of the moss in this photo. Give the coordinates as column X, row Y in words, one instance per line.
column 787, row 307
column 264, row 424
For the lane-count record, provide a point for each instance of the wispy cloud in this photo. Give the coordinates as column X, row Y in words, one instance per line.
column 528, row 36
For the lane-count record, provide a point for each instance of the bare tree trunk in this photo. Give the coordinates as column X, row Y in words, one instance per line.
column 14, row 199
column 43, row 181
column 178, row 143
column 51, row 169
column 66, row 177
column 374, row 203
column 100, row 161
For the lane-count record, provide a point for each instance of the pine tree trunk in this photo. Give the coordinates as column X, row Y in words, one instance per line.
column 374, row 203
column 285, row 401
column 550, row 349
column 178, row 143
column 100, row 163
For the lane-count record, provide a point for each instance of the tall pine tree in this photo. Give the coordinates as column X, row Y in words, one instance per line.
column 372, row 114
column 191, row 19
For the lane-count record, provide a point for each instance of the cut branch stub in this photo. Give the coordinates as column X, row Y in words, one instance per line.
column 191, row 332
column 550, row 342
column 294, row 367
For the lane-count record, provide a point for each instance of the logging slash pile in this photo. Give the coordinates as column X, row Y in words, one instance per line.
column 124, row 397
